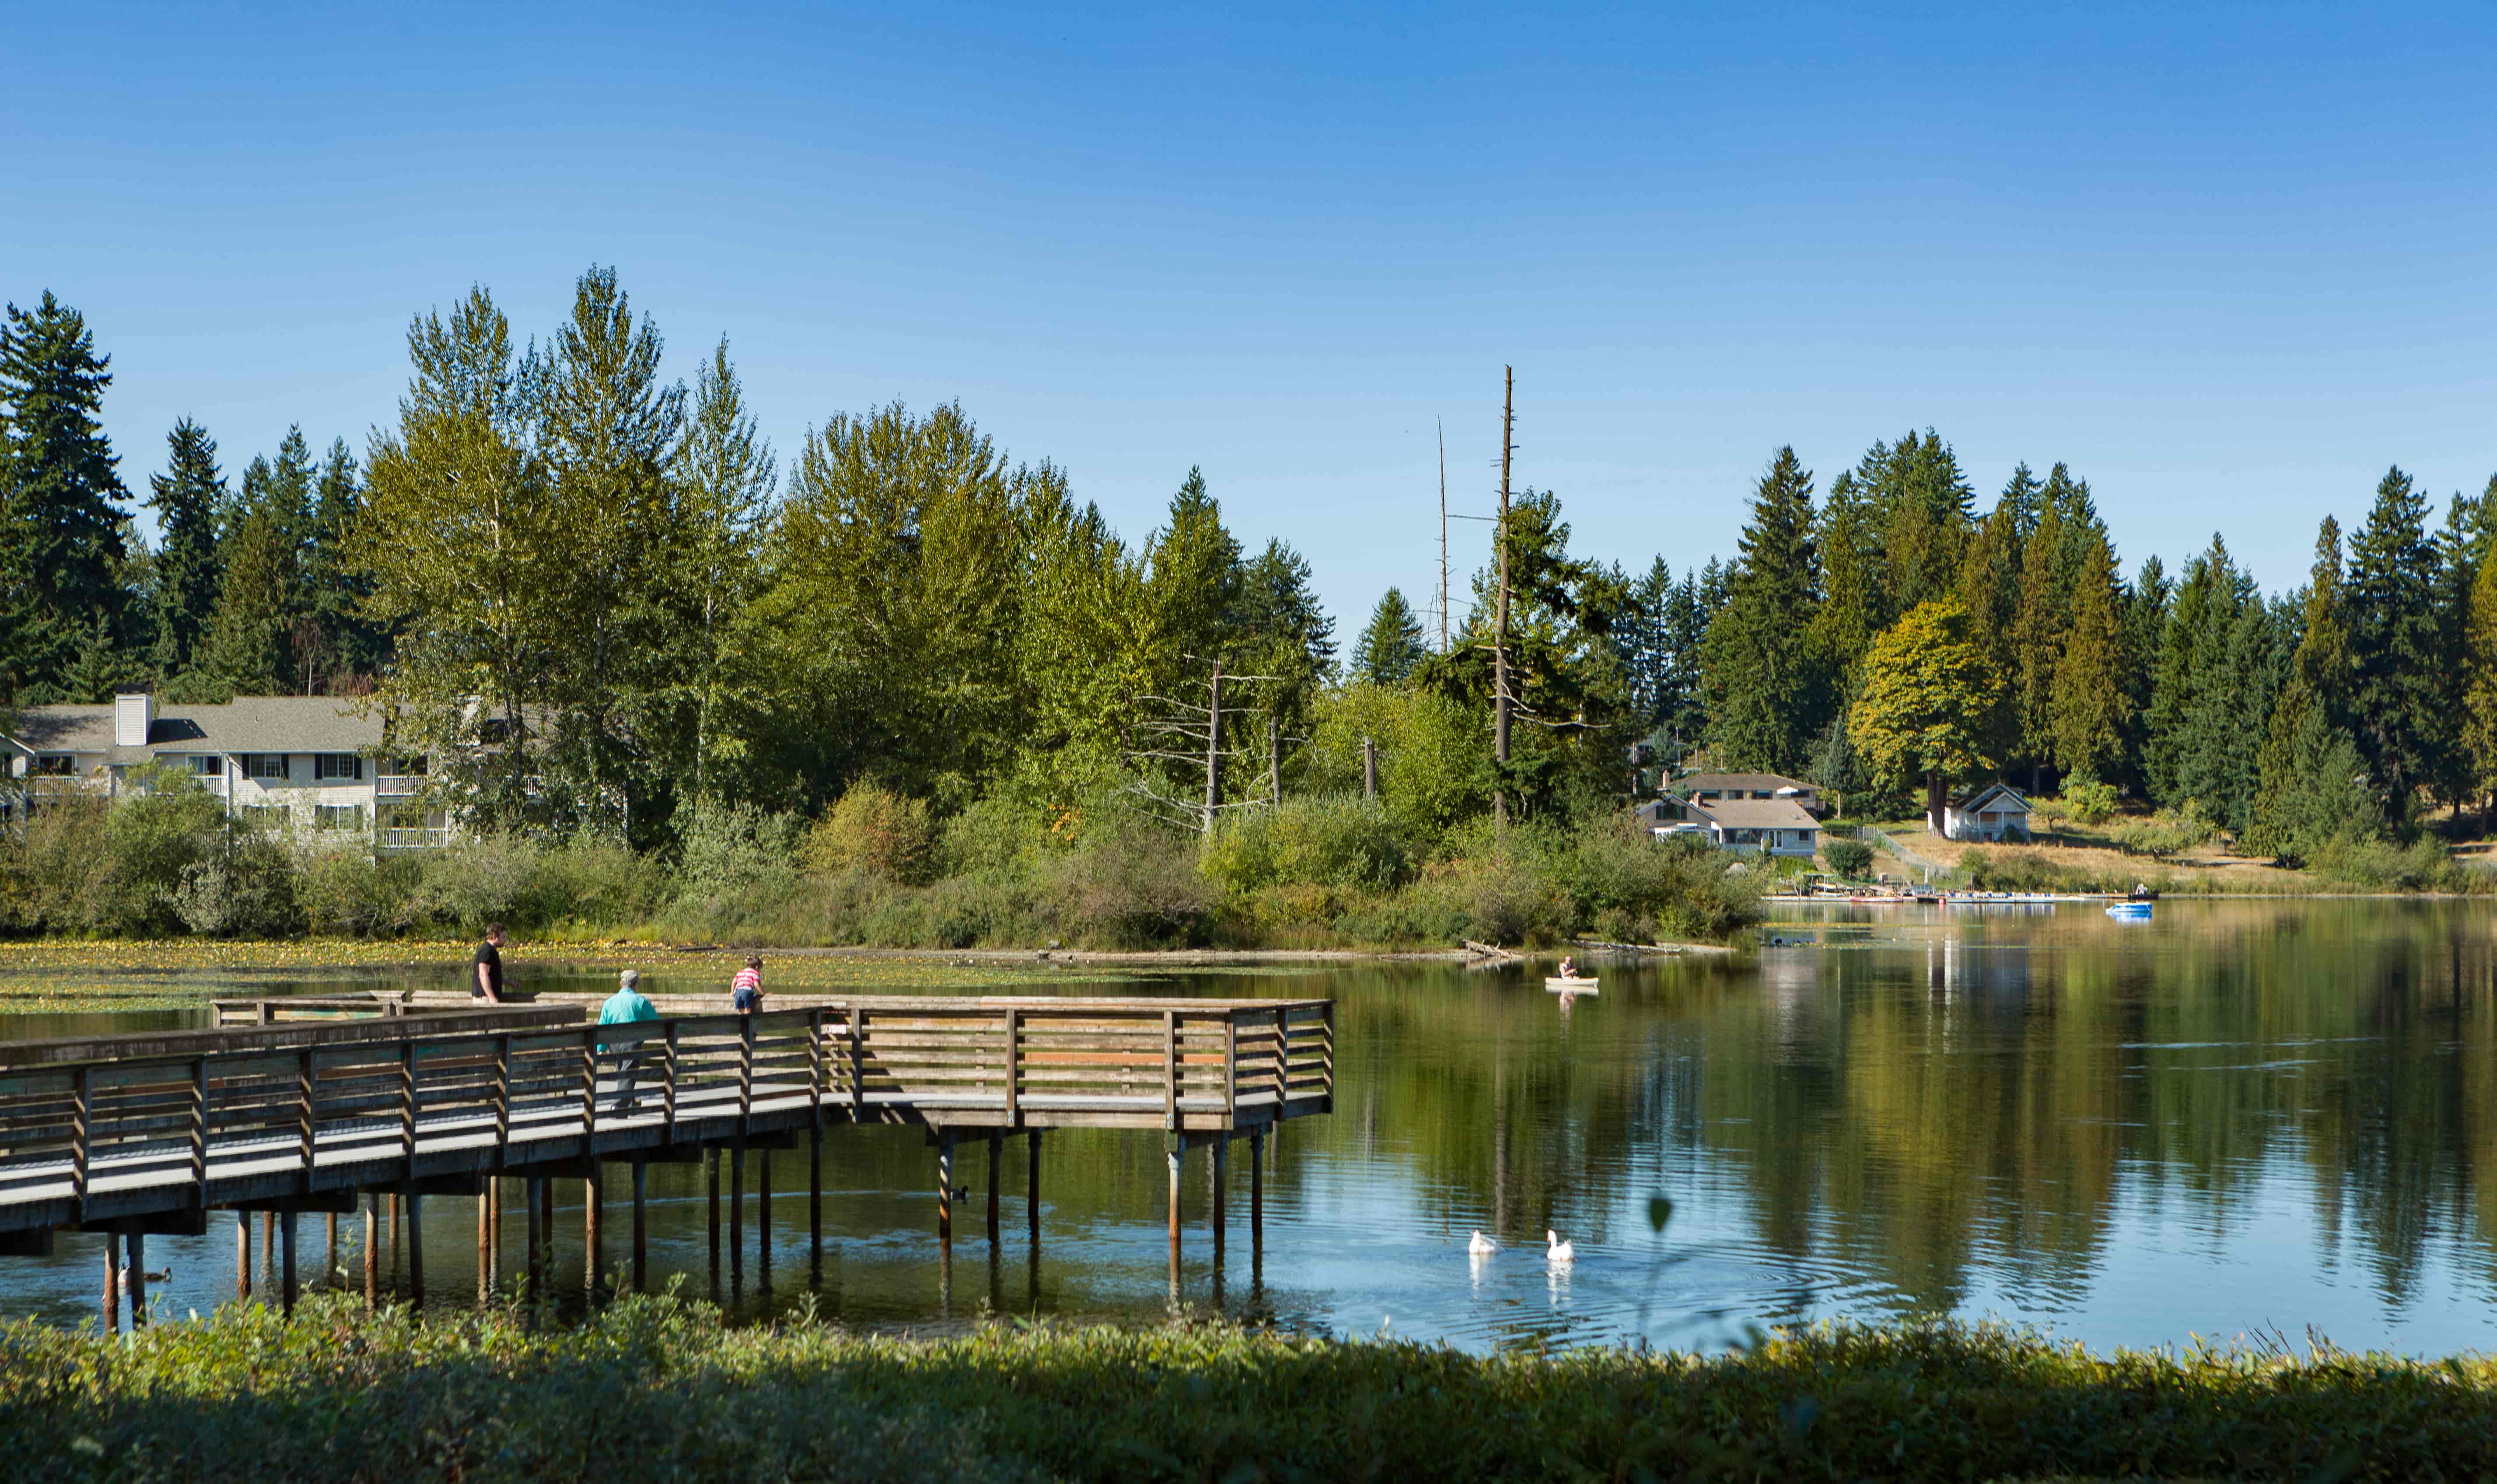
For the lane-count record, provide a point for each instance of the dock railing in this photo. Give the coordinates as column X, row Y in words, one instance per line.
column 131, row 1124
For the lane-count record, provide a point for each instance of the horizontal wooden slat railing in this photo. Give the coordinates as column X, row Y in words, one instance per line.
column 309, row 1106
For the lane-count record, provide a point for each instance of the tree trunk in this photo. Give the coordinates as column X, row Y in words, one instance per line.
column 1934, row 801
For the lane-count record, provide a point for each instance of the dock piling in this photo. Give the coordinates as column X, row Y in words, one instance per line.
column 641, row 1233
column 372, row 1251
column 412, row 1205
column 242, row 1254
column 112, row 1282
column 486, row 1245
column 1177, row 1150
column 945, row 1193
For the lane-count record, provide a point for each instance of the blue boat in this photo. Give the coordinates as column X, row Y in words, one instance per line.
column 2129, row 911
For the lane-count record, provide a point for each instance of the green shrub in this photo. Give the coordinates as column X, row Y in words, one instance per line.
column 2167, row 832
column 1848, row 859
column 2380, row 865
column 873, row 829
column 53, row 866
column 353, row 893
column 1343, row 841
column 2088, row 803
column 247, row 889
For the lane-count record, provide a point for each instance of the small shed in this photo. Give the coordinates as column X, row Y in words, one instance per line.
column 1993, row 812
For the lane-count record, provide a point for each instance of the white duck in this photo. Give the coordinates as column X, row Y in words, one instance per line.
column 1481, row 1246
column 1559, row 1251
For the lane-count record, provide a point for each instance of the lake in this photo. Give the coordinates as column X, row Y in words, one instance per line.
column 2237, row 1117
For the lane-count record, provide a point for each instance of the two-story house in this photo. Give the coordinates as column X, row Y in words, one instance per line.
column 311, row 766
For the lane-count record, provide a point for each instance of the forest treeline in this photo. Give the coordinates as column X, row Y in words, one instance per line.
column 599, row 595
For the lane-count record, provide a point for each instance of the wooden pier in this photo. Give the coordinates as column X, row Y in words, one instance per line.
column 339, row 1106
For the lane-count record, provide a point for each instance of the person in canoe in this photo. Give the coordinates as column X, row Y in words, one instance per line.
column 1568, row 968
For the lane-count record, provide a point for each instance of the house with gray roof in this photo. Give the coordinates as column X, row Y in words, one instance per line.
column 314, row 768
column 1772, row 826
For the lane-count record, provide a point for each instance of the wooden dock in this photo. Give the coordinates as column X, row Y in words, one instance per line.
column 335, row 1105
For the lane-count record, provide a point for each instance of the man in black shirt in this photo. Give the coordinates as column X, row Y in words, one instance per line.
column 489, row 967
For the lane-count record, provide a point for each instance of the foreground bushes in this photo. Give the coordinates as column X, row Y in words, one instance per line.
column 656, row 1389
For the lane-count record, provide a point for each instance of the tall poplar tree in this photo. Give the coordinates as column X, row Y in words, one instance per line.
column 188, row 500
column 1766, row 684
column 60, row 494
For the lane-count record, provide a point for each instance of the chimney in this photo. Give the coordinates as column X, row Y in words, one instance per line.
column 132, row 716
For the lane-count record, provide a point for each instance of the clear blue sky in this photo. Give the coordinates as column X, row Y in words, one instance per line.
column 2228, row 261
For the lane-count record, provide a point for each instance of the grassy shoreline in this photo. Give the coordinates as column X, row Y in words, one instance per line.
column 657, row 1388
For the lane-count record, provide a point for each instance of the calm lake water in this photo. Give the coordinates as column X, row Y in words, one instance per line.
column 2238, row 1116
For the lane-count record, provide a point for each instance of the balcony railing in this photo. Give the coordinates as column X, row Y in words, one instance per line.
column 415, row 837
column 389, row 785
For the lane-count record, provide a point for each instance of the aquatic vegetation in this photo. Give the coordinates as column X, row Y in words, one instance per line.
column 659, row 1388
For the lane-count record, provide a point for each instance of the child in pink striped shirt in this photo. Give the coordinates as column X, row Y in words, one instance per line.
column 745, row 991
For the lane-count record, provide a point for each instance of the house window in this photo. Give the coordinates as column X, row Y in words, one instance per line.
column 337, row 765
column 269, row 816
column 264, row 765
column 338, row 816
column 1989, row 817
column 206, row 764
column 54, row 764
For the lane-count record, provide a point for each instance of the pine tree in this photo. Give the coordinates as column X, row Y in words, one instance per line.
column 2400, row 662
column 1853, row 606
column 1391, row 646
column 188, row 500
column 728, row 475
column 2166, row 745
column 248, row 648
column 60, row 524
column 347, row 646
column 1768, row 687
column 2087, row 707
column 2308, row 761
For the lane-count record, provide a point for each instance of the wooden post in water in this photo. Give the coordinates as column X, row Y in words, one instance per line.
column 413, row 1207
column 945, row 1192
column 112, row 1282
column 494, row 1232
column 641, row 1234
column 736, row 1219
column 1256, row 1197
column 1032, row 1186
column 1177, row 1150
column 593, row 1203
column 242, row 1254
column 286, row 1223
column 372, row 1249
column 137, row 1281
column 532, row 1269
column 486, row 1245
column 763, row 1220
column 714, row 1223
column 996, row 1172
column 268, row 1243
column 1221, row 1164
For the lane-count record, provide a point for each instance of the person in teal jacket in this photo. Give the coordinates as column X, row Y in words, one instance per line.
column 627, row 1006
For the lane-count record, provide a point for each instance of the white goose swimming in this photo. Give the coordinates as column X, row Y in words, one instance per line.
column 1481, row 1246
column 1559, row 1251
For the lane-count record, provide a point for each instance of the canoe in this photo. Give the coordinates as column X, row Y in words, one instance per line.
column 1577, row 986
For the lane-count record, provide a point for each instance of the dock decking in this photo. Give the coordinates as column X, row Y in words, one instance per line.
column 307, row 1105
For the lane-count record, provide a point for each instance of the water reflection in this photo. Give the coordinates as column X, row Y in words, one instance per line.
column 2240, row 1114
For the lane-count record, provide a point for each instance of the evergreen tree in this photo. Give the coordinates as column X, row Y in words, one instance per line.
column 1767, row 688
column 60, row 524
column 2478, row 720
column 2146, row 607
column 1391, row 646
column 2087, row 707
column 2188, row 628
column 2308, row 760
column 188, row 499
column 727, row 472
column 1853, row 606
column 1926, row 509
column 347, row 646
column 2400, row 662
column 248, row 648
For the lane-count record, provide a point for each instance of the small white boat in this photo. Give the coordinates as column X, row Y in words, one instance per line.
column 2129, row 911
column 1573, row 985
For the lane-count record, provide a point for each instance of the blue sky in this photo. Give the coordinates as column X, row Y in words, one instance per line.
column 2229, row 262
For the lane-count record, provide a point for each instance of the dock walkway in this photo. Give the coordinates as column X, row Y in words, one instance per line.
column 314, row 1105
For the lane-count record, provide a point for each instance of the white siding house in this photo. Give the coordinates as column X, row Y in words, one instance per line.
column 1991, row 812
column 310, row 767
column 1777, row 826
